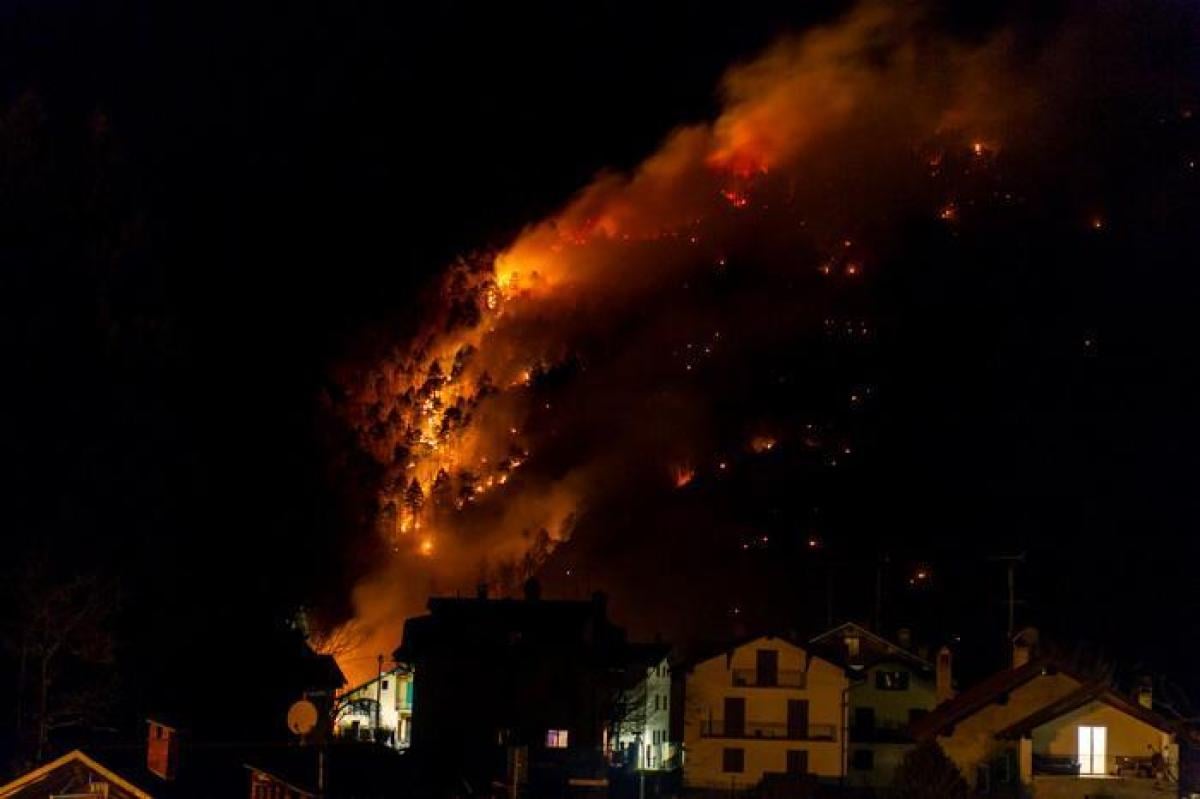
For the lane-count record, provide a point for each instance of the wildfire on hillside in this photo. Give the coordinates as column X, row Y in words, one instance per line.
column 485, row 425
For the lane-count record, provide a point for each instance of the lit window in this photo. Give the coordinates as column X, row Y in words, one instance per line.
column 891, row 680
column 556, row 739
column 852, row 645
column 1093, row 746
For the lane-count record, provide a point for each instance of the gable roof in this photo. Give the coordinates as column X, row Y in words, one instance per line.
column 981, row 695
column 828, row 644
column 352, row 769
column 44, row 772
column 482, row 623
column 397, row 669
column 1098, row 691
column 726, row 648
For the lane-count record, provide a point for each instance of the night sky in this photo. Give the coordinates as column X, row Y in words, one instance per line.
column 210, row 215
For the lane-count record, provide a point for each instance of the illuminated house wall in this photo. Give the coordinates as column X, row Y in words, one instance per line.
column 393, row 691
column 645, row 735
column 973, row 742
column 883, row 700
column 792, row 715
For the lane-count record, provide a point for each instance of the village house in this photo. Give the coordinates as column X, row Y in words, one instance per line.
column 763, row 706
column 1041, row 728
column 518, row 693
column 379, row 710
column 890, row 687
column 153, row 771
column 164, row 768
column 642, row 732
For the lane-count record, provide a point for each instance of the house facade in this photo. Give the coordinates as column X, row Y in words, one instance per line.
column 890, row 687
column 1041, row 729
column 520, row 693
column 764, row 706
column 379, row 710
column 642, row 736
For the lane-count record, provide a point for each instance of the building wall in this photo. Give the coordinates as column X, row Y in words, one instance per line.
column 1062, row 787
column 647, row 733
column 892, row 707
column 395, row 713
column 711, row 681
column 1126, row 735
column 892, row 714
column 973, row 741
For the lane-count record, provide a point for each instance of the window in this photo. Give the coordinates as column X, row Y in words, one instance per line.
column 863, row 760
column 733, row 761
column 385, row 685
column 1093, row 746
column 891, row 680
column 852, row 645
column 556, row 739
column 797, row 761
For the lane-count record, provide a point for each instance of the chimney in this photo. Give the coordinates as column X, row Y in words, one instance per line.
column 1023, row 644
column 162, row 750
column 600, row 604
column 904, row 638
column 1145, row 693
column 945, row 677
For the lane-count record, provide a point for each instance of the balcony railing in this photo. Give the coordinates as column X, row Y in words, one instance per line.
column 718, row 728
column 1137, row 766
column 881, row 733
column 785, row 678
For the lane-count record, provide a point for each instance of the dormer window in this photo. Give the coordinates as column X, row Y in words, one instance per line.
column 891, row 680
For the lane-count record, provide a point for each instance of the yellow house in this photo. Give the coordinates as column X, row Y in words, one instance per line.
column 1095, row 740
column 1039, row 729
column 763, row 706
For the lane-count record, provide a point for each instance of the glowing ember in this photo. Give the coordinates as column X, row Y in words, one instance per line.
column 682, row 475
column 761, row 444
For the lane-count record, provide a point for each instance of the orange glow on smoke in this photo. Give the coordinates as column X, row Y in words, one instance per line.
column 761, row 444
column 451, row 416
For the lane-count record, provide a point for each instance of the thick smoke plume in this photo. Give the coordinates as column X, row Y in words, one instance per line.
column 588, row 369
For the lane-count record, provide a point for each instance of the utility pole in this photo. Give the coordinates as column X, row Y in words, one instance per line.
column 1012, row 602
column 378, row 698
column 880, row 568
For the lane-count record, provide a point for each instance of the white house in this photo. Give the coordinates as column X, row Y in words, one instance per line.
column 643, row 738
column 763, row 706
column 379, row 709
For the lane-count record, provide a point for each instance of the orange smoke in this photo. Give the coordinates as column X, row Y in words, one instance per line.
column 445, row 416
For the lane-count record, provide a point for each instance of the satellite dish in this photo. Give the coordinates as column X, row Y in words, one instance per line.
column 302, row 717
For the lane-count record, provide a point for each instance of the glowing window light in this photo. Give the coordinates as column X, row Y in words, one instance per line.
column 557, row 739
column 1093, row 746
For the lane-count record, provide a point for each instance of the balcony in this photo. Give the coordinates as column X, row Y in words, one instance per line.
column 1109, row 766
column 783, row 678
column 881, row 733
column 768, row 730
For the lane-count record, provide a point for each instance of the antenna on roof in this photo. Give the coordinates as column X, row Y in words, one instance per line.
column 1012, row 561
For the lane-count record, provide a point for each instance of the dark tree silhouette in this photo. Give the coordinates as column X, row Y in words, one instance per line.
column 926, row 773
